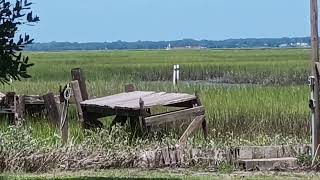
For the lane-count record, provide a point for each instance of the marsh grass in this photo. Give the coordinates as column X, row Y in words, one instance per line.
column 233, row 66
column 273, row 101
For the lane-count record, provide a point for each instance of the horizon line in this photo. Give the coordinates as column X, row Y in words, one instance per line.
column 172, row 40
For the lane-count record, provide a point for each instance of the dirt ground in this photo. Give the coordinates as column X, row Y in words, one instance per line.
column 163, row 174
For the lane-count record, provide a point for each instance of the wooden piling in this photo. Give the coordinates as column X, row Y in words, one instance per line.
column 10, row 101
column 129, row 88
column 78, row 98
column 143, row 115
column 52, row 109
column 315, row 73
column 77, row 74
column 20, row 110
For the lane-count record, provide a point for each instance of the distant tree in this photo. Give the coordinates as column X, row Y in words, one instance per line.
column 12, row 16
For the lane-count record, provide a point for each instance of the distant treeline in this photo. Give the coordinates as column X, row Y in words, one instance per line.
column 185, row 43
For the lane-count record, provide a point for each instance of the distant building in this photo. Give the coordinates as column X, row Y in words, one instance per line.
column 299, row 44
column 296, row 45
column 283, row 45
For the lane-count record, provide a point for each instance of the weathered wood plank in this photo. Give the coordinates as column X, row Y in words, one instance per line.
column 185, row 97
column 20, row 110
column 166, row 156
column 77, row 74
column 315, row 121
column 53, row 109
column 107, row 111
column 268, row 164
column 174, row 116
column 194, row 125
column 134, row 103
column 157, row 99
column 64, row 129
column 36, row 99
column 167, row 98
column 78, row 99
column 131, row 100
column 318, row 67
column 10, row 103
column 117, row 98
column 143, row 115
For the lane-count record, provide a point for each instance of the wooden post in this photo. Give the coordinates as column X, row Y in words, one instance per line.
column 63, row 119
column 143, row 114
column 64, row 129
column 53, row 109
column 54, row 116
column 314, row 60
column 20, row 110
column 78, row 98
column 204, row 122
column 10, row 101
column 77, row 74
column 129, row 88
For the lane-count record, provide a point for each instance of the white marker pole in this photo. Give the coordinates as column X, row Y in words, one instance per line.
column 174, row 78
column 178, row 73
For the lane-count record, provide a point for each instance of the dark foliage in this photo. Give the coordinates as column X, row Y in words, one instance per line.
column 12, row 63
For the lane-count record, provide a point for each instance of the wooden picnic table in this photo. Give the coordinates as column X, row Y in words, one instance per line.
column 135, row 106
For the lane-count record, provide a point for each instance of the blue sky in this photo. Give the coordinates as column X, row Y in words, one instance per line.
column 132, row 20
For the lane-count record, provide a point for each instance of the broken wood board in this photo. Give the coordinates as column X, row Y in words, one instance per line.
column 263, row 152
column 154, row 121
column 268, row 164
column 194, row 125
column 36, row 99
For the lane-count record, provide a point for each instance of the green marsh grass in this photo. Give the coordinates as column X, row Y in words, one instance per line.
column 233, row 66
column 269, row 96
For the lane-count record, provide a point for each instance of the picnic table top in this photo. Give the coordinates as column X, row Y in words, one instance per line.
column 130, row 100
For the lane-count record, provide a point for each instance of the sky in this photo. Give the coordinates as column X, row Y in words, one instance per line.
column 155, row 20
